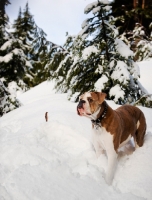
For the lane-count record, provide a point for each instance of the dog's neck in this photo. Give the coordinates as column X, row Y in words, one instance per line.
column 99, row 113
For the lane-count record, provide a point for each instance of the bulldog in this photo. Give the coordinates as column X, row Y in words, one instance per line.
column 111, row 128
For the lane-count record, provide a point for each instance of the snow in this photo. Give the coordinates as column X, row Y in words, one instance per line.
column 146, row 71
column 6, row 45
column 135, row 70
column 14, row 89
column 88, row 51
column 18, row 52
column 28, row 64
column 117, row 92
column 85, row 23
column 55, row 159
column 104, row 1
column 99, row 85
column 96, row 10
column 90, row 6
column 120, row 72
column 107, row 8
column 123, row 49
column 6, row 58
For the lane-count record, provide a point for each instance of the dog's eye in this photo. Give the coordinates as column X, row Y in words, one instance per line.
column 90, row 100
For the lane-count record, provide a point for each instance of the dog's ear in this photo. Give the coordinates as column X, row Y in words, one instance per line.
column 98, row 96
column 101, row 97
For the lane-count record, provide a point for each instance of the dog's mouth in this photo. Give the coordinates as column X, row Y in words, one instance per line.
column 81, row 110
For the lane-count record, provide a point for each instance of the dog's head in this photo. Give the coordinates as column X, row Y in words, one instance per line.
column 89, row 103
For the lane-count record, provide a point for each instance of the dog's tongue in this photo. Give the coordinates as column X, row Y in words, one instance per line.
column 81, row 111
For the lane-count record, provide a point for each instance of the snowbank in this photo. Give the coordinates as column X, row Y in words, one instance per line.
column 55, row 160
column 146, row 72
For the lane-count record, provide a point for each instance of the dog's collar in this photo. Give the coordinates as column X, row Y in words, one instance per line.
column 97, row 122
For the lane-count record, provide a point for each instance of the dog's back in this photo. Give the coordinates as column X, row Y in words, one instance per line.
column 134, row 123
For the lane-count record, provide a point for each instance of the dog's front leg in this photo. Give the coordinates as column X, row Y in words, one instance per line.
column 96, row 143
column 112, row 163
column 112, row 158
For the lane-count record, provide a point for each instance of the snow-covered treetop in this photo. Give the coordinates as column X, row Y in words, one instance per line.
column 95, row 8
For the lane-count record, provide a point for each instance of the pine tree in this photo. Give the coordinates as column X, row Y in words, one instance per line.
column 138, row 42
column 99, row 60
column 12, row 58
column 134, row 19
column 128, row 13
column 3, row 21
column 141, row 44
column 8, row 102
column 39, row 50
column 61, row 64
column 12, row 62
column 25, row 29
column 43, row 51
column 17, row 25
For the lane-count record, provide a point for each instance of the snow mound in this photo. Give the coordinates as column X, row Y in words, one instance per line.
column 56, row 160
column 146, row 71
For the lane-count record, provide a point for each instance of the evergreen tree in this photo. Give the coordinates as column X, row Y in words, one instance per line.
column 3, row 21
column 44, row 52
column 98, row 60
column 12, row 58
column 24, row 27
column 128, row 13
column 39, row 50
column 8, row 102
column 134, row 19
column 138, row 42
column 12, row 62
column 17, row 25
column 61, row 64
column 3, row 17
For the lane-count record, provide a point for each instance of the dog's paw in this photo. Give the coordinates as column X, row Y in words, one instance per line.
column 108, row 180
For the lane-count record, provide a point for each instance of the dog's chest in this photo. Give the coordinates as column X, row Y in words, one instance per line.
column 103, row 137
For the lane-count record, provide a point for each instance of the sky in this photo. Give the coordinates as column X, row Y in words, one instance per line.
column 55, row 17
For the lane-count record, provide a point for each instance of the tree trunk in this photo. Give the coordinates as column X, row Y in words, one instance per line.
column 135, row 3
column 143, row 4
column 143, row 7
column 105, row 38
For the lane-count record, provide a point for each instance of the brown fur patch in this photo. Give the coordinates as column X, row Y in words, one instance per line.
column 122, row 122
column 98, row 99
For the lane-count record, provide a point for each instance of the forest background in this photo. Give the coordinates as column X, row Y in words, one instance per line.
column 103, row 56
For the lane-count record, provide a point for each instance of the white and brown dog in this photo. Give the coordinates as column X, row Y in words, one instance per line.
column 111, row 128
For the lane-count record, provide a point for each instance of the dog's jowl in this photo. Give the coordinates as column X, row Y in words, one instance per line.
column 111, row 128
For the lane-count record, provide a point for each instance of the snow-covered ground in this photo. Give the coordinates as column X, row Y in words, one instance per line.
column 55, row 160
column 146, row 72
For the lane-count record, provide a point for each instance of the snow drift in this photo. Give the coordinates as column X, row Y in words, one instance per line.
column 55, row 160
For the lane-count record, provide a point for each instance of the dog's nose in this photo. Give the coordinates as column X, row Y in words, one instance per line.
column 80, row 105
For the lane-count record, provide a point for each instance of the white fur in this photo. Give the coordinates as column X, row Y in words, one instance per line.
column 125, row 142
column 86, row 106
column 136, row 145
column 103, row 140
column 138, row 124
